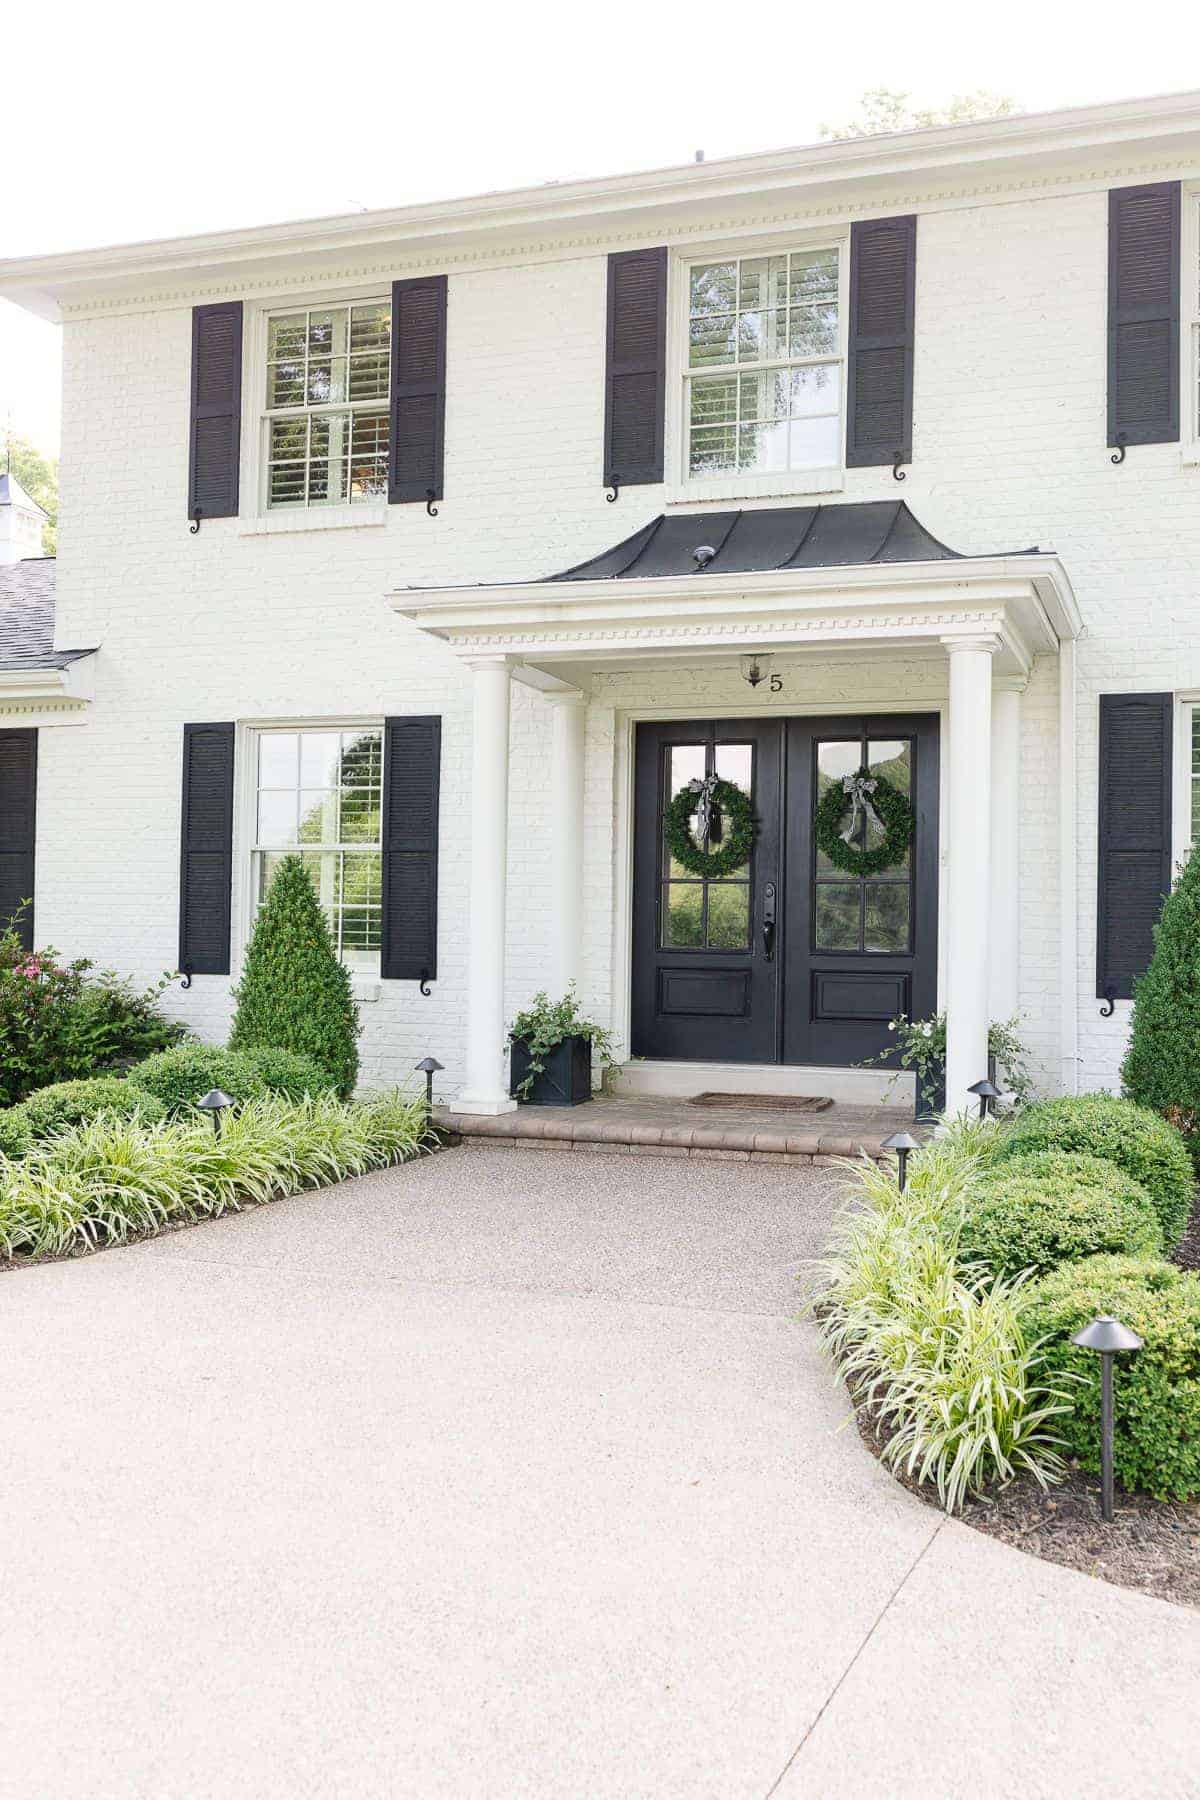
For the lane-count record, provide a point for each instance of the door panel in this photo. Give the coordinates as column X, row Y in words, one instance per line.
column 705, row 982
column 858, row 951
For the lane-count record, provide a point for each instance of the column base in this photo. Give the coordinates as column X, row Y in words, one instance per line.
column 489, row 1105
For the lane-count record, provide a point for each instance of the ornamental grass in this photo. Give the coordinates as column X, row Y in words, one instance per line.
column 113, row 1178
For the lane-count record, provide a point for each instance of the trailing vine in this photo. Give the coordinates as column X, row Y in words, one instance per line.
column 730, row 809
column 872, row 793
column 545, row 1024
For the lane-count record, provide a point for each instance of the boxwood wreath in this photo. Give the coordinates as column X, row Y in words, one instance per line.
column 866, row 794
column 726, row 819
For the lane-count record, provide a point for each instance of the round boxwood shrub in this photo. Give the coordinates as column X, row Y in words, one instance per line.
column 65, row 1103
column 288, row 1072
column 1134, row 1138
column 1156, row 1390
column 1054, row 1206
column 180, row 1076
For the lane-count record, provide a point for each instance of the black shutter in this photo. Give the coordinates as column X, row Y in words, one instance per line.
column 206, row 862
column 18, row 827
column 1143, row 314
column 1135, row 834
column 418, row 404
column 636, row 368
column 412, row 753
column 216, row 429
column 883, row 278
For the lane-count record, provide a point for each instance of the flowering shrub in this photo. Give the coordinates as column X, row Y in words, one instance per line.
column 58, row 1021
column 921, row 1046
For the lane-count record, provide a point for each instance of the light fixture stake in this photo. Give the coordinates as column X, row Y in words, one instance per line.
column 987, row 1092
column 1106, row 1336
column 215, row 1103
column 903, row 1143
column 429, row 1066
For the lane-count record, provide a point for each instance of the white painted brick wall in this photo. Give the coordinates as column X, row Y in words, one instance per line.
column 1009, row 450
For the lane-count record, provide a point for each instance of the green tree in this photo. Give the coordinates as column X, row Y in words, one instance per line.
column 1162, row 1065
column 294, row 993
column 883, row 109
column 38, row 475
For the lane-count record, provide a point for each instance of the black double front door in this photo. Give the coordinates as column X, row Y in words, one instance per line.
column 788, row 959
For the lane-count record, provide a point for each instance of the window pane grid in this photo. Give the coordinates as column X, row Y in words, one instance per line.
column 319, row 796
column 698, row 913
column 871, row 914
column 764, row 365
column 328, row 375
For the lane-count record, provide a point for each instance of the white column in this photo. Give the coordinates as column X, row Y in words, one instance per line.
column 566, row 840
column 1004, row 942
column 968, row 831
column 486, row 1090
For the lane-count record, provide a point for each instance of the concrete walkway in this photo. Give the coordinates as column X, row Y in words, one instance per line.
column 470, row 1479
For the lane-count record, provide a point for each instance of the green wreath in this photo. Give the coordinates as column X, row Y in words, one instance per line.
column 737, row 836
column 894, row 811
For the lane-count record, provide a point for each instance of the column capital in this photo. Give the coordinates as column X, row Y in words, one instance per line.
column 484, row 661
column 988, row 642
column 1009, row 684
column 570, row 696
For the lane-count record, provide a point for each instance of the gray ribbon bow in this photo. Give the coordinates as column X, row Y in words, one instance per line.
column 708, row 813
column 860, row 788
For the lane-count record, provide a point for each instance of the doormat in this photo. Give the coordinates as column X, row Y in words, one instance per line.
column 768, row 1102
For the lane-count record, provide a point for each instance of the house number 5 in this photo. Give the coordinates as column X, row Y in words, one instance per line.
column 777, row 684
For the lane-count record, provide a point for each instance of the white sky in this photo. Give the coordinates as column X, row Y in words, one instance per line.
column 134, row 120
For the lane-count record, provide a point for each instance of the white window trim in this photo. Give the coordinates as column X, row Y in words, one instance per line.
column 256, row 518
column 365, row 981
column 1186, row 704
column 732, row 485
column 1189, row 324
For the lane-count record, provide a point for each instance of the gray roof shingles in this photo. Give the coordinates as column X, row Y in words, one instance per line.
column 27, row 617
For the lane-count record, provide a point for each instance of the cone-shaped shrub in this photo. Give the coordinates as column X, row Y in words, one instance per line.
column 1162, row 1064
column 294, row 993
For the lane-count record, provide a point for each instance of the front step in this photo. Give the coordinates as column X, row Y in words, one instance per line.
column 621, row 1127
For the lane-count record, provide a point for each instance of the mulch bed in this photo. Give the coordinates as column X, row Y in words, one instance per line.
column 1151, row 1545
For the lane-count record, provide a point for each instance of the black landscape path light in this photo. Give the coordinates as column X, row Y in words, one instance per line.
column 1106, row 1336
column 429, row 1066
column 215, row 1103
column 903, row 1143
column 987, row 1092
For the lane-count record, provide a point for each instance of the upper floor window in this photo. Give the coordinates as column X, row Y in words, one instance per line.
column 1191, row 316
column 765, row 351
column 328, row 371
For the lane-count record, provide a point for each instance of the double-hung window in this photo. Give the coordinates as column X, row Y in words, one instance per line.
column 764, row 360
column 326, row 422
column 318, row 795
column 1190, row 307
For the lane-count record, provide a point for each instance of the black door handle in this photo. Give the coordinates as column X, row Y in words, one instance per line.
column 768, row 927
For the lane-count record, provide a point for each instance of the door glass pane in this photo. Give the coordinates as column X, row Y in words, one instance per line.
column 735, row 762
column 886, row 912
column 835, row 915
column 891, row 758
column 835, row 760
column 683, row 915
column 728, row 916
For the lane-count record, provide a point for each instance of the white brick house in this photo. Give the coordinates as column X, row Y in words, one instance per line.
column 1004, row 315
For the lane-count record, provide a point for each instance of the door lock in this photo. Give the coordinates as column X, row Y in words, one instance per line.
column 768, row 921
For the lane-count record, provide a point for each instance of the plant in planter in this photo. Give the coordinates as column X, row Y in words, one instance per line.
column 552, row 1046
column 921, row 1047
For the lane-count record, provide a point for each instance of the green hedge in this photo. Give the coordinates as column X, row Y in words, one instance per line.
column 1054, row 1206
column 287, row 1072
column 1157, row 1390
column 179, row 1077
column 1136, row 1140
column 66, row 1103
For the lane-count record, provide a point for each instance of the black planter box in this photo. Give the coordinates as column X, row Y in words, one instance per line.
column 566, row 1079
column 931, row 1098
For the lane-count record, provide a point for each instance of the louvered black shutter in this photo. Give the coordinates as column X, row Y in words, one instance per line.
column 636, row 368
column 206, row 862
column 418, row 406
column 216, row 429
column 883, row 276
column 412, row 753
column 1143, row 314
column 1135, row 834
column 18, row 827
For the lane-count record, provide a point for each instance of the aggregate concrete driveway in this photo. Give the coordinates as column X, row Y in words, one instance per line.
column 510, row 1473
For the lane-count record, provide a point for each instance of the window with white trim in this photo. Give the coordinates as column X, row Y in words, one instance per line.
column 765, row 357
column 1191, row 315
column 326, row 420
column 319, row 795
column 1188, row 822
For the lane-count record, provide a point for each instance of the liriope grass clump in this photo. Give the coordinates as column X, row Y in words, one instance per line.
column 110, row 1178
column 937, row 1349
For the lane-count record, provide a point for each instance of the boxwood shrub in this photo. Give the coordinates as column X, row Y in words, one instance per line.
column 66, row 1103
column 1134, row 1138
column 1053, row 1206
column 179, row 1077
column 1156, row 1390
column 287, row 1072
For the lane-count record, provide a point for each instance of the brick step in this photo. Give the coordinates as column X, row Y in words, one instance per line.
column 614, row 1129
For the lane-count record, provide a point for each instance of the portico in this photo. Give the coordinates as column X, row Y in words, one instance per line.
column 838, row 584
